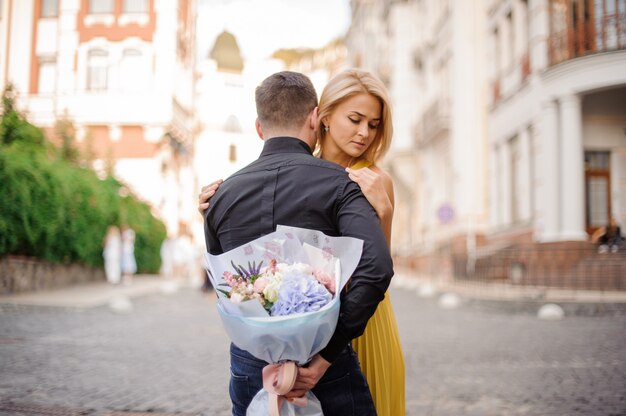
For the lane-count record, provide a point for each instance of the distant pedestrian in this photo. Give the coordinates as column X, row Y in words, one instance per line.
column 129, row 265
column 608, row 237
column 167, row 257
column 112, row 254
column 184, row 257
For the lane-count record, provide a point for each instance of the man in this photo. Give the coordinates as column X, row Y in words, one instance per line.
column 288, row 185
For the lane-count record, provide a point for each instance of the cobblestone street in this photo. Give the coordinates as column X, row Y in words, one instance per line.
column 168, row 355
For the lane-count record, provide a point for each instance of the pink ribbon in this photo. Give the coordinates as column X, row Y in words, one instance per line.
column 278, row 380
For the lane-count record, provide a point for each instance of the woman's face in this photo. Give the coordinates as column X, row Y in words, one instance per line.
column 352, row 128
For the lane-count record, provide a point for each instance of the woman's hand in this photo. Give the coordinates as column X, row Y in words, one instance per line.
column 205, row 193
column 373, row 186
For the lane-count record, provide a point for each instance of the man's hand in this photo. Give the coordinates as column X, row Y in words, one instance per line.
column 308, row 376
column 205, row 193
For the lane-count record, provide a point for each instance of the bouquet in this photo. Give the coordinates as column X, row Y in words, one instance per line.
column 278, row 300
column 281, row 288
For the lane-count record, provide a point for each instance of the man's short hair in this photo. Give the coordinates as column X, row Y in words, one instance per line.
column 284, row 100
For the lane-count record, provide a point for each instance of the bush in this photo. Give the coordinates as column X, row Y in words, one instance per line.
column 58, row 211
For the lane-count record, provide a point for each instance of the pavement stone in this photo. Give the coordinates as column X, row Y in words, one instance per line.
column 170, row 356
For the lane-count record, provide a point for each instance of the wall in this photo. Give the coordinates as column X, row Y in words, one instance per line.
column 23, row 274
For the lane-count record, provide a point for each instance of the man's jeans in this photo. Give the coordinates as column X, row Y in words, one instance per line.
column 342, row 390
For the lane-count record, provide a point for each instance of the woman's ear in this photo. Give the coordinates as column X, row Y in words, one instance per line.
column 324, row 122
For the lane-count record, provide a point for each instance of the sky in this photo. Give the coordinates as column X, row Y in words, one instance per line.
column 263, row 26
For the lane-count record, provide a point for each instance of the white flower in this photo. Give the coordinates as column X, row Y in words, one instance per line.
column 271, row 290
column 236, row 297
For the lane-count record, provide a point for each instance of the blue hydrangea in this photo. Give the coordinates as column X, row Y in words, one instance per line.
column 300, row 293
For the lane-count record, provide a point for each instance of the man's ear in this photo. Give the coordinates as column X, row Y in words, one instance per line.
column 314, row 119
column 259, row 129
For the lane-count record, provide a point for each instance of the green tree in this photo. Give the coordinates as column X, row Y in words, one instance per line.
column 66, row 133
column 54, row 209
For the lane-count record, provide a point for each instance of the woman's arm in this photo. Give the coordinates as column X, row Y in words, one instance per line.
column 377, row 186
column 207, row 192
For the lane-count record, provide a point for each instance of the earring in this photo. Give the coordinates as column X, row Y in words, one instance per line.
column 326, row 128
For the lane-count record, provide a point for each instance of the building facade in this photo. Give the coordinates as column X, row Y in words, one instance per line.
column 428, row 53
column 557, row 117
column 228, row 140
column 123, row 72
column 510, row 127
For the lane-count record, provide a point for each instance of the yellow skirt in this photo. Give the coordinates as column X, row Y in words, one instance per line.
column 382, row 360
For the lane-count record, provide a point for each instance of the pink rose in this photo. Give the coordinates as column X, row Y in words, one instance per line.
column 260, row 284
column 325, row 279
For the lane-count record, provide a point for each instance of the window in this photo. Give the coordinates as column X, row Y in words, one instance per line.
column 49, row 8
column 135, row 6
column 496, row 52
column 517, row 181
column 97, row 70
column 598, row 188
column 134, row 71
column 510, row 24
column 101, row 6
column 232, row 153
column 47, row 77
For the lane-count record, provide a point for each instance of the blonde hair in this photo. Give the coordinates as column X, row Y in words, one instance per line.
column 345, row 85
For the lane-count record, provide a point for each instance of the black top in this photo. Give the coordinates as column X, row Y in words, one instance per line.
column 287, row 185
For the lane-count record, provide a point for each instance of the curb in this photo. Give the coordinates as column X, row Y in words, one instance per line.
column 95, row 294
column 511, row 299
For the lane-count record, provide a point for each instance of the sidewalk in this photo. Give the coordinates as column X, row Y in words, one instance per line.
column 95, row 294
column 102, row 293
column 503, row 291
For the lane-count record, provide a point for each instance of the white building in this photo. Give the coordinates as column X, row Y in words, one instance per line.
column 226, row 110
column 557, row 119
column 430, row 60
column 122, row 72
column 320, row 65
column 510, row 120
column 226, row 107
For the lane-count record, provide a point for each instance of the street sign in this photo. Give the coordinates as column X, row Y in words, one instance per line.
column 445, row 213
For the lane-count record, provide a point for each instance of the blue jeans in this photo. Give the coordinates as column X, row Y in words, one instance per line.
column 342, row 391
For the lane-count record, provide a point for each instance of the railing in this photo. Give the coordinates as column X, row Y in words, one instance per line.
column 605, row 33
column 525, row 66
column 509, row 81
column 579, row 268
column 434, row 121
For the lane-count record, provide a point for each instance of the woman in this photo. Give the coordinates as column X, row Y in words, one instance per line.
column 129, row 264
column 112, row 254
column 355, row 131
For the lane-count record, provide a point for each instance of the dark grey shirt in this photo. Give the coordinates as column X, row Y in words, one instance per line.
column 287, row 185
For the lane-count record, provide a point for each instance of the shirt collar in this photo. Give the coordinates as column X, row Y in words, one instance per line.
column 285, row 145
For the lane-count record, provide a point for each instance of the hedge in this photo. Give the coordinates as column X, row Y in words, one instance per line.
column 58, row 211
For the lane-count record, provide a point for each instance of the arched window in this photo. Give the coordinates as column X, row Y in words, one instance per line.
column 47, row 76
column 134, row 70
column 97, row 70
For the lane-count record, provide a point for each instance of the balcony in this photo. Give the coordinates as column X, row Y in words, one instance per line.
column 434, row 121
column 603, row 33
column 511, row 80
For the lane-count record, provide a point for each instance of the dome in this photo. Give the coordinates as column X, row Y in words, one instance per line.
column 226, row 53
